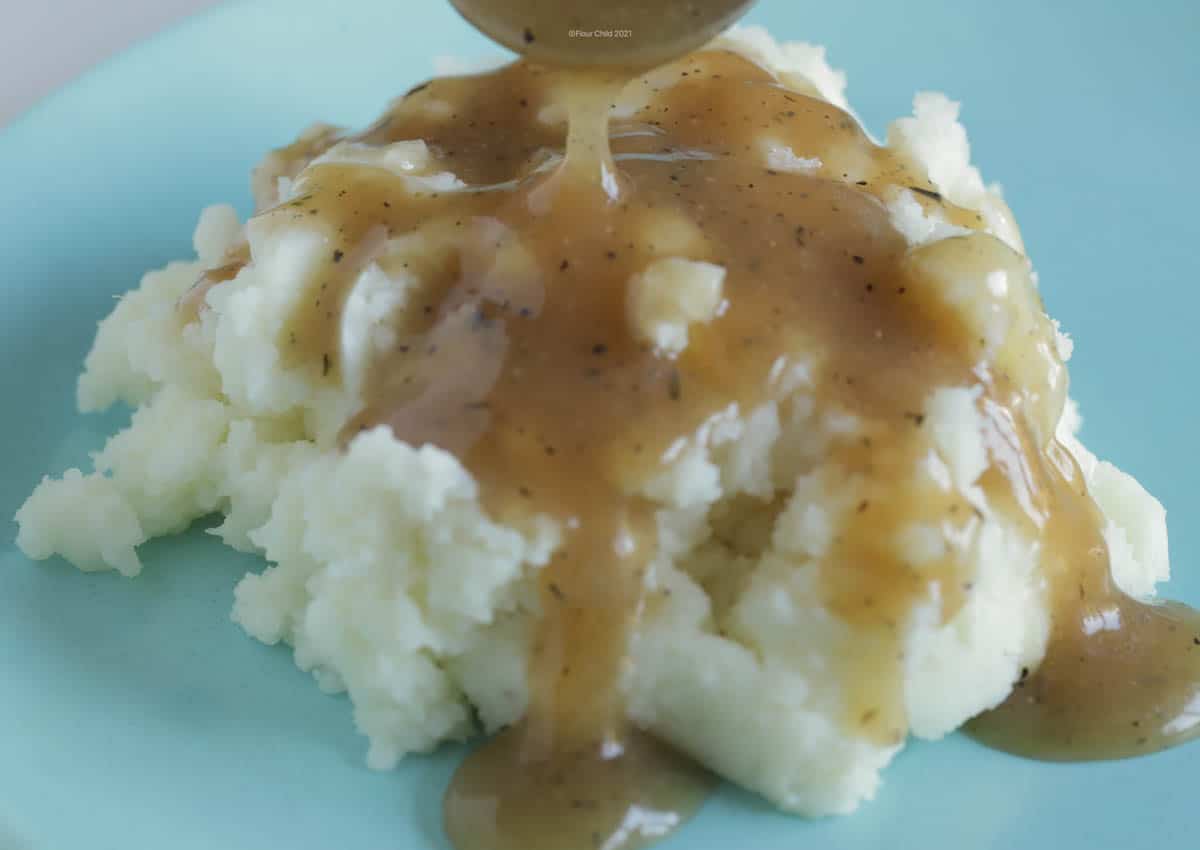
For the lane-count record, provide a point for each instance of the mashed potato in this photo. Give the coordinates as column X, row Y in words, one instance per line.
column 391, row 582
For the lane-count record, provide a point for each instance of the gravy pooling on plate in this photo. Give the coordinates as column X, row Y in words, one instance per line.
column 525, row 361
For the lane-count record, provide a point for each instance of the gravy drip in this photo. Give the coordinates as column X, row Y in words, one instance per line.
column 1121, row 677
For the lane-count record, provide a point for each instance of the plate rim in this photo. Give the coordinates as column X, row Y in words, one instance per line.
column 25, row 118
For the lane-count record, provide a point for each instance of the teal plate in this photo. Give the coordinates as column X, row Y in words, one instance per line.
column 135, row 716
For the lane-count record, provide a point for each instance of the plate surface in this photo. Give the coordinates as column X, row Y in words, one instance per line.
column 136, row 716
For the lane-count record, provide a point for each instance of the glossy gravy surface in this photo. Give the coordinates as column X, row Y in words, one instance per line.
column 1121, row 677
column 517, row 353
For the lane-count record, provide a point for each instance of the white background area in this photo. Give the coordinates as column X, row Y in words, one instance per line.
column 46, row 43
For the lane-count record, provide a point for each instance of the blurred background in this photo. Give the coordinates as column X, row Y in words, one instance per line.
column 45, row 43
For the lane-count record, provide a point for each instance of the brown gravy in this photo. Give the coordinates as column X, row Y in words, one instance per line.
column 1121, row 677
column 193, row 300
column 516, row 354
column 505, row 798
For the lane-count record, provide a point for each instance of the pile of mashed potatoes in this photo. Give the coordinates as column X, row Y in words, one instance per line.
column 392, row 583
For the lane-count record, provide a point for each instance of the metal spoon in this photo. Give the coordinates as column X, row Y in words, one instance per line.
column 592, row 33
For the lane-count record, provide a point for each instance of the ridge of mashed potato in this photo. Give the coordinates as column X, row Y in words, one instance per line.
column 392, row 583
